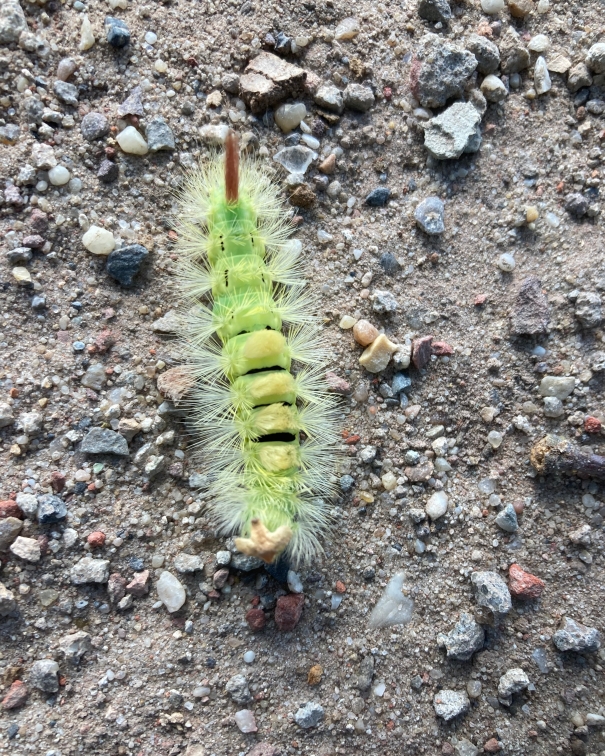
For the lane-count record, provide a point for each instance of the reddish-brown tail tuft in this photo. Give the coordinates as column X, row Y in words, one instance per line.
column 231, row 167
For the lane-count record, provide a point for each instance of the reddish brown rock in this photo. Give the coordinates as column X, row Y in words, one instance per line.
column 175, row 383
column 340, row 587
column 337, row 384
column 220, row 577
column 256, row 619
column 492, row 746
column 116, row 587
column 303, row 196
column 38, row 221
column 33, row 241
column 16, row 696
column 96, row 539
column 523, row 585
column 103, row 342
column 10, row 508
column 592, row 424
column 138, row 585
column 57, row 481
column 43, row 541
column 441, row 349
column 421, row 351
column 288, row 611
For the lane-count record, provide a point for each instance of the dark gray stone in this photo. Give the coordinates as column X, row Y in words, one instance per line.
column 576, row 204
column 588, row 309
column 429, row 216
column 51, row 508
column 309, row 715
column 123, row 264
column 366, row 673
column 400, row 382
column 237, row 687
column 118, row 34
column 486, row 52
column 104, row 441
column 530, row 315
column 19, row 255
column 435, row 10
column 506, row 519
column 463, row 640
column 94, row 126
column 358, row 97
column 108, row 172
column 159, row 135
column 389, row 264
column 378, row 197
column 43, row 675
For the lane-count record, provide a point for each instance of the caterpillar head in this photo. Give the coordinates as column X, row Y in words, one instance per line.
column 263, row 543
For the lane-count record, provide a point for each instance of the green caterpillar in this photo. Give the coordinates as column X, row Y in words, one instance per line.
column 267, row 432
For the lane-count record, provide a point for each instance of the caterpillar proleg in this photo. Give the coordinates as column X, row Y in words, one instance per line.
column 261, row 408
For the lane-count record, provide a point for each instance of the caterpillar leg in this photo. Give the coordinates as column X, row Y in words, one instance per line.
column 264, row 544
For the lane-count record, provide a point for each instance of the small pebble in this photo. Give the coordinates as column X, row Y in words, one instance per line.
column 59, row 175
column 429, row 216
column 118, row 34
column 506, row 262
column 249, row 657
column 98, row 240
column 132, row 142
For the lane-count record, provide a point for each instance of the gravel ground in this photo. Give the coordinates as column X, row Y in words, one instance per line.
column 499, row 116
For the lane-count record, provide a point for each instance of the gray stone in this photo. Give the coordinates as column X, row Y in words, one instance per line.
column 491, row 592
column 588, row 309
column 378, row 197
column 597, row 363
column 383, row 302
column 557, row 385
column 34, row 109
column 89, row 570
column 330, row 97
column 553, row 407
column 6, row 415
column 12, row 21
column 230, row 82
column 453, row 132
column 7, row 601
column 578, row 77
column 463, row 640
column 366, row 673
column 118, row 34
column 104, row 441
column 94, row 126
column 185, row 563
column 43, row 676
column 486, row 52
column 159, row 135
column 19, row 255
column 132, row 105
column 506, row 519
column 309, row 715
column 30, row 423
column 440, row 72
column 66, row 92
column 123, row 264
column 10, row 527
column 513, row 681
column 449, row 704
column 576, row 204
column 268, row 79
column 514, row 56
column 108, row 172
column 465, row 747
column 169, row 323
column 75, row 645
column 43, row 156
column 435, row 11
column 358, row 97
column 245, row 563
column 573, row 636
column 530, row 315
column 429, row 216
column 51, row 509
column 27, row 549
column 94, row 378
column 595, row 60
column 237, row 687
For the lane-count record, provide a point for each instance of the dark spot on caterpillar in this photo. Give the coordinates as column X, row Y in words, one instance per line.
column 227, row 279
column 264, row 370
column 288, row 437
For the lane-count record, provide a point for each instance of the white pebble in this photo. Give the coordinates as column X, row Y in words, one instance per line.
column 99, row 241
column 542, row 81
column 494, row 439
column 506, row 262
column 310, row 141
column 492, row 6
column 170, row 591
column 436, row 506
column 59, row 175
column 294, row 582
column 87, row 38
column 543, row 6
column 539, row 43
column 289, row 115
column 380, row 689
column 151, row 38
column 249, row 657
column 131, row 141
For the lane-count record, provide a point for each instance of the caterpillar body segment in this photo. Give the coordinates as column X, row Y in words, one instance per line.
column 265, row 420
